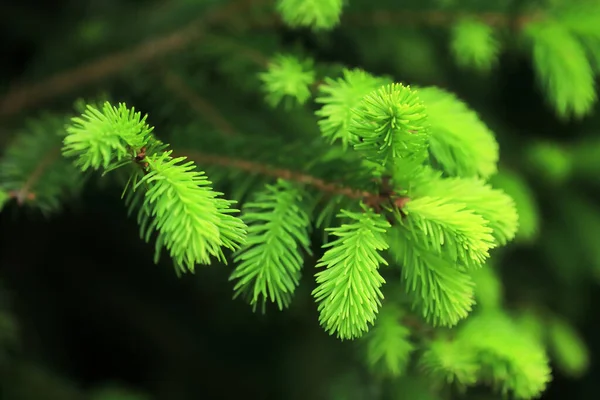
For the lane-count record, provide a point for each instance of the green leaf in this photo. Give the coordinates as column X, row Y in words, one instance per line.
column 348, row 290
column 474, row 45
column 460, row 142
column 270, row 261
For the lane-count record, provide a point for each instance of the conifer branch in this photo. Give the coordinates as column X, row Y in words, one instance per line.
column 31, row 170
column 375, row 200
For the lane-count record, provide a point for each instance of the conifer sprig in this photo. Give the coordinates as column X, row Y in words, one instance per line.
column 348, row 291
column 33, row 173
column 101, row 138
column 493, row 205
column 193, row 223
column 450, row 228
column 339, row 97
column 318, row 14
column 563, row 68
column 440, row 290
column 459, row 141
column 390, row 123
column 474, row 44
column 288, row 79
column 269, row 263
column 489, row 348
column 388, row 345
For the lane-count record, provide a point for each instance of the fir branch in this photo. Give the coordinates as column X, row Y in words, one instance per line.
column 270, row 261
column 388, row 348
column 443, row 294
column 510, row 359
column 460, row 142
column 474, row 45
column 348, row 291
column 449, row 362
column 563, row 68
column 32, row 171
column 193, row 223
column 496, row 208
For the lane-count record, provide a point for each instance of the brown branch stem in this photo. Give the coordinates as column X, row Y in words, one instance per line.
column 374, row 200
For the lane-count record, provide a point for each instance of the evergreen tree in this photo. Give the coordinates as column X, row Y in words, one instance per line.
column 322, row 150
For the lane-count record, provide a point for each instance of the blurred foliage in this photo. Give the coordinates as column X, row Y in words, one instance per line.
column 86, row 292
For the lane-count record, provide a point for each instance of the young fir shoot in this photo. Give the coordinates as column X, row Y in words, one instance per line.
column 192, row 222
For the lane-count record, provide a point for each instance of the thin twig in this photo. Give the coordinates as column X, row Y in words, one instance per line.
column 174, row 83
column 374, row 200
column 24, row 97
column 19, row 99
